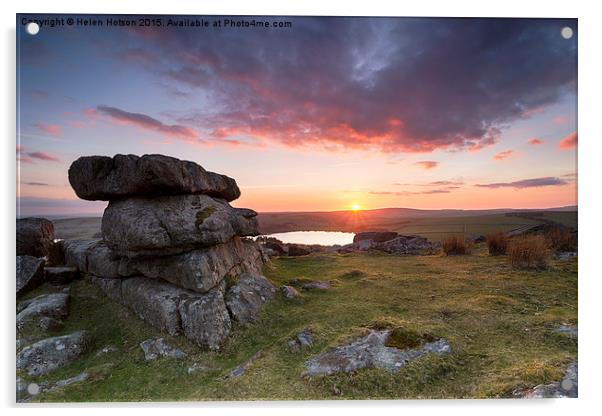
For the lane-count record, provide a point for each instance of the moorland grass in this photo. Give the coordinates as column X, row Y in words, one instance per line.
column 497, row 319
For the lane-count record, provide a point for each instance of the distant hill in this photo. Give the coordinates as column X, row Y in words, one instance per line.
column 402, row 219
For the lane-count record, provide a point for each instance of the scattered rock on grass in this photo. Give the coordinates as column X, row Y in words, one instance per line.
column 565, row 255
column 30, row 273
column 107, row 350
column 289, row 292
column 302, row 340
column 567, row 329
column 197, row 368
column 241, row 369
column 370, row 351
column 316, row 285
column 157, row 347
column 53, row 305
column 295, row 251
column 52, row 353
column 567, row 387
column 246, row 297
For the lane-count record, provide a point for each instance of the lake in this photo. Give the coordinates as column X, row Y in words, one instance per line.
column 325, row 238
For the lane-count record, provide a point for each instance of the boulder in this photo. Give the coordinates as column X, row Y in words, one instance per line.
column 155, row 302
column 201, row 270
column 370, row 351
column 277, row 249
column 375, row 236
column 35, row 236
column 94, row 257
column 54, row 305
column 105, row 178
column 247, row 296
column 52, row 353
column 297, row 251
column 30, row 273
column 157, row 347
column 61, row 275
column 205, row 319
column 135, row 227
column 202, row 318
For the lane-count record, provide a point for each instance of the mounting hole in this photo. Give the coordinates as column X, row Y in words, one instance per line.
column 566, row 32
column 33, row 389
column 32, row 28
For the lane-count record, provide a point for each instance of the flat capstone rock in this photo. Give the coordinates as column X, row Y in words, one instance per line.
column 111, row 178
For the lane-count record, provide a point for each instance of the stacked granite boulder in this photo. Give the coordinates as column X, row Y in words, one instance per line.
column 173, row 249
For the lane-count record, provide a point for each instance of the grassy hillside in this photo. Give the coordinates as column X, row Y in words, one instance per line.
column 498, row 321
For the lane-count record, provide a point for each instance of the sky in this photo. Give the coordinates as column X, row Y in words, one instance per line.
column 328, row 113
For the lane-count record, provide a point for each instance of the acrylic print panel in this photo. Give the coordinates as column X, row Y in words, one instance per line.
column 277, row 208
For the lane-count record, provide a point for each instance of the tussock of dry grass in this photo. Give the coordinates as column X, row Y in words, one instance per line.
column 561, row 239
column 497, row 243
column 528, row 252
column 456, row 244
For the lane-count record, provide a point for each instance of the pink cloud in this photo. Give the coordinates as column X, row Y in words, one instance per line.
column 147, row 123
column 535, row 141
column 569, row 142
column 50, row 129
column 503, row 155
column 427, row 164
column 560, row 120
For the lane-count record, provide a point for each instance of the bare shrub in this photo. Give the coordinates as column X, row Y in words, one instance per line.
column 497, row 244
column 528, row 252
column 455, row 244
column 561, row 239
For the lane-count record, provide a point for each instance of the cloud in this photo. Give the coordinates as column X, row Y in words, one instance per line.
column 396, row 85
column 427, row 164
column 526, row 183
column 535, row 141
column 43, row 156
column 37, row 183
column 569, row 142
column 444, row 183
column 503, row 155
column 560, row 120
column 50, row 129
column 444, row 190
column 146, row 122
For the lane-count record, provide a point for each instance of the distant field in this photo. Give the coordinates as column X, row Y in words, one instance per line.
column 69, row 228
column 433, row 228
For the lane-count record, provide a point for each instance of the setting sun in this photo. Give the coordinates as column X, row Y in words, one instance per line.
column 355, row 207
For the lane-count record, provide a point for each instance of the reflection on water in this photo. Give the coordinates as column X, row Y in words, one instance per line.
column 325, row 238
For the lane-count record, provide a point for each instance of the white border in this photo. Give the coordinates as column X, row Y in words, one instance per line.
column 590, row 209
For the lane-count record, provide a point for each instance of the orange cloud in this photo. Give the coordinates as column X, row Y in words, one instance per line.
column 503, row 155
column 569, row 142
column 535, row 141
column 427, row 164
